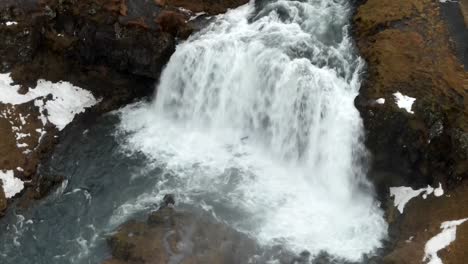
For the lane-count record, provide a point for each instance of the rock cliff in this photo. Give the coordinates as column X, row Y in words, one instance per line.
column 408, row 50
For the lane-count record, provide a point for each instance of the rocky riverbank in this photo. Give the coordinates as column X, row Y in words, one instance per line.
column 415, row 110
column 113, row 48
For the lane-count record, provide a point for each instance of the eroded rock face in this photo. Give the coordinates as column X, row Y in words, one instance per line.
column 172, row 236
column 408, row 50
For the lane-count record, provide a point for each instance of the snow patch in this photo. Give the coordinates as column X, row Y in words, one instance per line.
column 439, row 191
column 441, row 240
column 404, row 102
column 11, row 23
column 196, row 15
column 380, row 101
column 67, row 100
column 22, row 145
column 404, row 194
column 11, row 184
column 410, row 239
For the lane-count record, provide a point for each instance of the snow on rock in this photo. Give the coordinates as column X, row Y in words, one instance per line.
column 11, row 184
column 404, row 194
column 380, row 101
column 404, row 102
column 441, row 240
column 439, row 191
column 67, row 100
column 11, row 23
column 196, row 15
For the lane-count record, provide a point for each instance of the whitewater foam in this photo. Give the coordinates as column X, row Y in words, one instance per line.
column 254, row 119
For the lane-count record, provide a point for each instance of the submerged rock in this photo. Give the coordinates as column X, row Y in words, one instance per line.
column 210, row 7
column 173, row 236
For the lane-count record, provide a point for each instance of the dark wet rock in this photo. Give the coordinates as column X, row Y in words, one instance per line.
column 3, row 200
column 172, row 236
column 455, row 13
column 168, row 200
column 174, row 23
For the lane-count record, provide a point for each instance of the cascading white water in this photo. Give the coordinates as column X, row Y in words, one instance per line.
column 254, row 120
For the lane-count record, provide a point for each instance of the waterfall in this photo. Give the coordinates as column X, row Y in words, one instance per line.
column 254, row 121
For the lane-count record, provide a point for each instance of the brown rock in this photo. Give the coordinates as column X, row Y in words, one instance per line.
column 170, row 235
column 174, row 23
column 123, row 8
column 13, row 157
column 378, row 13
column 464, row 8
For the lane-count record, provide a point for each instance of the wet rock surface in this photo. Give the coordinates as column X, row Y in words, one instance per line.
column 174, row 236
column 408, row 49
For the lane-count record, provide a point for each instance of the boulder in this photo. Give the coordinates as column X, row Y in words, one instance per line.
column 170, row 235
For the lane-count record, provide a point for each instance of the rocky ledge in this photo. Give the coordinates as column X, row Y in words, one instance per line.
column 51, row 49
column 171, row 235
column 175, row 235
column 415, row 110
